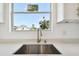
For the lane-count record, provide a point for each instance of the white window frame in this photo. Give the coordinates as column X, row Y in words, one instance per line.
column 1, row 12
column 11, row 21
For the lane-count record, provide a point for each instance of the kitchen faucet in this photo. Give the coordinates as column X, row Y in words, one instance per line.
column 39, row 34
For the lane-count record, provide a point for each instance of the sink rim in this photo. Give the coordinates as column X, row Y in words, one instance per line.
column 38, row 44
column 41, row 48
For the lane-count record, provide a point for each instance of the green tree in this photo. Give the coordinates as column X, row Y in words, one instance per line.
column 44, row 24
column 33, row 27
column 32, row 7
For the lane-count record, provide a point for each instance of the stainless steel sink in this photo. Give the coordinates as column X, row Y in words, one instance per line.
column 37, row 49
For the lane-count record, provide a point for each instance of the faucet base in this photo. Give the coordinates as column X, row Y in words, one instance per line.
column 38, row 41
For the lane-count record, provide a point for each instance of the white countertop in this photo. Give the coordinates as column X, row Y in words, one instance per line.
column 66, row 48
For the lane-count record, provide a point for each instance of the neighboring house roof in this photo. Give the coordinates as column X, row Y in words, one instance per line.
column 22, row 27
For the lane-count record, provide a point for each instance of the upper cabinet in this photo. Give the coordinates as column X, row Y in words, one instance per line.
column 1, row 12
column 67, row 13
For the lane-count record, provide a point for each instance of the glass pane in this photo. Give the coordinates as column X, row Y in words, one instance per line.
column 29, row 21
column 23, row 7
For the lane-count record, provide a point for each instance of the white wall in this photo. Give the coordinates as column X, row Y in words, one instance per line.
column 71, row 10
column 60, row 31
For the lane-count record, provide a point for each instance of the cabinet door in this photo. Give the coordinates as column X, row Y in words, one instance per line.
column 1, row 12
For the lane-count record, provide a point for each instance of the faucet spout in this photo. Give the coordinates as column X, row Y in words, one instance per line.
column 39, row 34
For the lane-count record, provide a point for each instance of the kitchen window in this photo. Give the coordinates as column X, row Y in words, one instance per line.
column 27, row 16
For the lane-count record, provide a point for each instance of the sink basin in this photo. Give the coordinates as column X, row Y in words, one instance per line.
column 37, row 49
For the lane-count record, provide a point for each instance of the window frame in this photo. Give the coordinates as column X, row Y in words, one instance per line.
column 12, row 17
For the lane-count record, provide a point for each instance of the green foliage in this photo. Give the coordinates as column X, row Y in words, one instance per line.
column 44, row 24
column 32, row 7
column 33, row 27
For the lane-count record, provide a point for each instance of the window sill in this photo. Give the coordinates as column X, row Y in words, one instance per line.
column 28, row 30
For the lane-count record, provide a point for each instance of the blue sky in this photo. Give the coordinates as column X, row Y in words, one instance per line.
column 29, row 19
